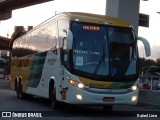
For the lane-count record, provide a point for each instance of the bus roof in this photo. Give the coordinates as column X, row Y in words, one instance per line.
column 94, row 18
column 86, row 17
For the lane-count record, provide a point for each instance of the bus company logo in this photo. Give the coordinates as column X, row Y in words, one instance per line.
column 51, row 61
column 6, row 114
column 23, row 63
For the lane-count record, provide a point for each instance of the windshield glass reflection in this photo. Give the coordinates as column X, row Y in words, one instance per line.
column 102, row 50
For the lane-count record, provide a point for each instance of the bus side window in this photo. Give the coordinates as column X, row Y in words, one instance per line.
column 62, row 24
column 51, row 43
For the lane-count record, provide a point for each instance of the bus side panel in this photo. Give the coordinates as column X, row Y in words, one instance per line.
column 51, row 69
column 35, row 75
column 36, row 69
column 20, row 68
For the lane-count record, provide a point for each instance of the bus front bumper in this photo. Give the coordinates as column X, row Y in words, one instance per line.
column 96, row 96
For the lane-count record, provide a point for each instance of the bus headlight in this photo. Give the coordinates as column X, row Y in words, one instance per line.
column 134, row 87
column 77, row 84
column 80, row 85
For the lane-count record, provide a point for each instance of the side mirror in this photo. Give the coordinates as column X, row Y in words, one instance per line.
column 68, row 40
column 146, row 46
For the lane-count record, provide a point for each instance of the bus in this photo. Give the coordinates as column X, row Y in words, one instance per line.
column 78, row 58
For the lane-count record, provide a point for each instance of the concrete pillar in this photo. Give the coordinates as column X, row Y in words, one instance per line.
column 5, row 15
column 124, row 9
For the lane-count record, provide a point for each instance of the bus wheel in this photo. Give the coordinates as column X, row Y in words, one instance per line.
column 107, row 108
column 54, row 102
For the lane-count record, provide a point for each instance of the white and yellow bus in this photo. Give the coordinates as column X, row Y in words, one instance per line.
column 78, row 58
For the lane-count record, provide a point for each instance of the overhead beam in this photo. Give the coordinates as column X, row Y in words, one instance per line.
column 16, row 4
column 4, row 15
column 6, row 6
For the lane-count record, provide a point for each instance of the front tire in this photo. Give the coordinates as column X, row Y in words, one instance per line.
column 55, row 104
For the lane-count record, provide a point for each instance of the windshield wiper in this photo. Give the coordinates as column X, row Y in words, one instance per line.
column 100, row 62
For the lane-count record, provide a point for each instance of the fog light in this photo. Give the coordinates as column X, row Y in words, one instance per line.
column 134, row 98
column 79, row 97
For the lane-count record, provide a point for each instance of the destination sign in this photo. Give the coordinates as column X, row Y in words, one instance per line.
column 89, row 27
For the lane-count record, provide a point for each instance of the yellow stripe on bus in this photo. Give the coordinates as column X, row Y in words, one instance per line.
column 94, row 83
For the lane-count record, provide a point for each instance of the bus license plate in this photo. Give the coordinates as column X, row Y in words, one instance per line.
column 108, row 99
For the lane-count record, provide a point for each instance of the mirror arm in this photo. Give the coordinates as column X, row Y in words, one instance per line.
column 146, row 45
column 69, row 37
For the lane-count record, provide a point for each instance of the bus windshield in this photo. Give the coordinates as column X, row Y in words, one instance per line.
column 102, row 50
